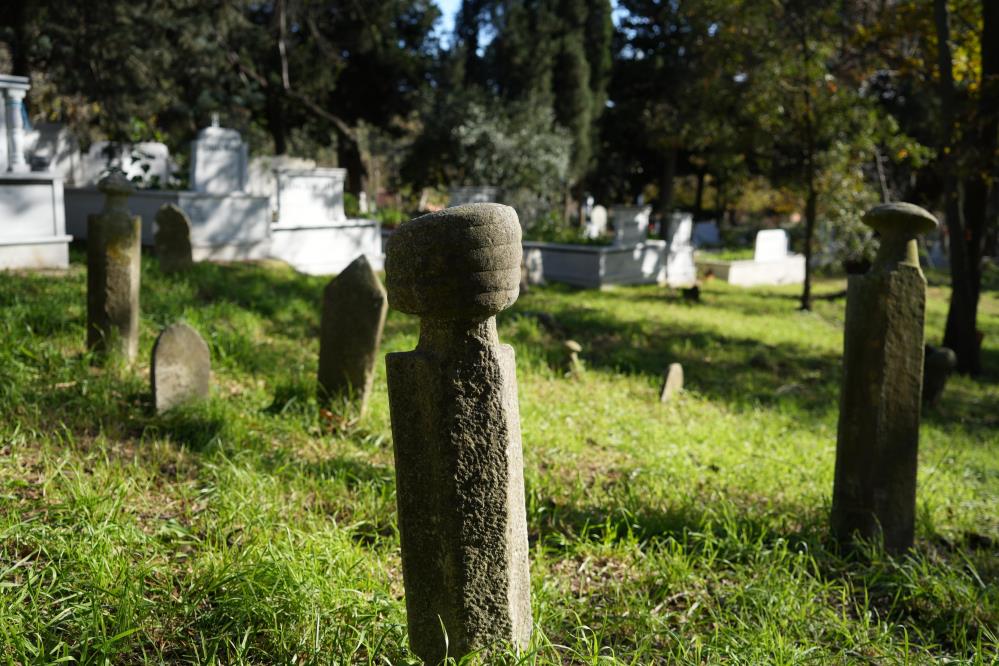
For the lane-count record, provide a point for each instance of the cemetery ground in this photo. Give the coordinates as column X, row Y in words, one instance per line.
column 257, row 528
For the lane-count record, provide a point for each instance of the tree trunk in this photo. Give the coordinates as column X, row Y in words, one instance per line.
column 666, row 183
column 275, row 122
column 966, row 224
column 349, row 157
column 720, row 204
column 16, row 16
column 699, row 196
column 811, row 204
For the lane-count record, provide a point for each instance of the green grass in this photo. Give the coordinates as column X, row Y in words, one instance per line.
column 257, row 529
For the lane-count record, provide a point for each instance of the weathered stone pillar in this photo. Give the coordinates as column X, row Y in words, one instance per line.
column 874, row 494
column 15, row 131
column 456, row 428
column 354, row 308
column 113, row 262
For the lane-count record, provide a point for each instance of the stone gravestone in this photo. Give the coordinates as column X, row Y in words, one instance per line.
column 456, row 428
column 219, row 161
column 939, row 363
column 354, row 307
column 672, row 382
column 874, row 493
column 596, row 225
column 310, row 197
column 771, row 245
column 173, row 239
column 113, row 263
column 631, row 224
column 681, row 271
column 181, row 367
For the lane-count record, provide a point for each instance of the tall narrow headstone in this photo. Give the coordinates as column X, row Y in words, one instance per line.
column 354, row 307
column 181, row 367
column 456, row 428
column 596, row 225
column 874, row 493
column 113, row 238
column 173, row 239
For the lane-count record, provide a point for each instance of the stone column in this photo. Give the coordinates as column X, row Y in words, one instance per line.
column 15, row 131
column 874, row 494
column 456, row 431
column 113, row 262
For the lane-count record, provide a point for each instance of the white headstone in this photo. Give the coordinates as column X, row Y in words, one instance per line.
column 771, row 245
column 680, row 268
column 631, row 224
column 219, row 160
column 147, row 162
column 681, row 226
column 473, row 194
column 310, row 197
column 706, row 233
column 596, row 224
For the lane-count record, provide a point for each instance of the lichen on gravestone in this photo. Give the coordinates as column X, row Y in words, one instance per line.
column 456, row 431
column 180, row 369
column 113, row 273
column 874, row 491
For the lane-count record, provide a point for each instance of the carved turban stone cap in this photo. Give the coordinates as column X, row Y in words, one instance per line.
column 458, row 263
column 900, row 219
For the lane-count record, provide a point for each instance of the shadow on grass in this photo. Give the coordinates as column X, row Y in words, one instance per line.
column 248, row 285
column 935, row 591
column 738, row 370
column 196, row 426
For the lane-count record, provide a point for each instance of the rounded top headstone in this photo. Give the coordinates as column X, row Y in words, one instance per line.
column 900, row 219
column 458, row 263
column 115, row 184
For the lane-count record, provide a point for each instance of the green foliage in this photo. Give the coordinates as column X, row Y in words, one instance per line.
column 552, row 54
column 391, row 217
column 516, row 146
column 553, row 229
column 257, row 529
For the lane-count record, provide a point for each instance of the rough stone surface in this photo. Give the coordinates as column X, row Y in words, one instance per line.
column 181, row 367
column 173, row 239
column 354, row 307
column 113, row 244
column 672, row 382
column 456, row 431
column 874, row 493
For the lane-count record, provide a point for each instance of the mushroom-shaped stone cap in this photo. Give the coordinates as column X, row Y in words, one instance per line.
column 458, row 263
column 900, row 219
column 573, row 346
column 115, row 184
